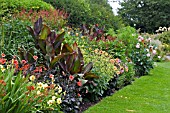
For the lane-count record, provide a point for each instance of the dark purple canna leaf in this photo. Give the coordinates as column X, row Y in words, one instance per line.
column 67, row 48
column 42, row 45
column 76, row 66
column 57, row 59
column 60, row 36
column 31, row 31
column 38, row 26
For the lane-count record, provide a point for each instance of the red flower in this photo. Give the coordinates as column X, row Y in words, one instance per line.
column 35, row 57
column 79, row 83
column 3, row 55
column 71, row 77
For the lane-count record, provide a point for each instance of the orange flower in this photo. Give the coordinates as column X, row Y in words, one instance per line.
column 78, row 95
column 112, row 61
column 30, row 88
column 3, row 82
column 79, row 83
column 71, row 77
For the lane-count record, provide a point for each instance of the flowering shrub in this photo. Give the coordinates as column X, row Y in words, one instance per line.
column 54, row 18
column 142, row 56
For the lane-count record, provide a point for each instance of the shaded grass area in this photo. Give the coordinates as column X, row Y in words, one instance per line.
column 148, row 94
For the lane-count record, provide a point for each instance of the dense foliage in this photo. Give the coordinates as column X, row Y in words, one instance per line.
column 88, row 12
column 148, row 15
column 9, row 7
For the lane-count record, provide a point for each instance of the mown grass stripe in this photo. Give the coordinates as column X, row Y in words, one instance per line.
column 148, row 94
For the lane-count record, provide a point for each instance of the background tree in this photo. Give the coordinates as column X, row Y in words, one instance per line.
column 146, row 14
column 88, row 12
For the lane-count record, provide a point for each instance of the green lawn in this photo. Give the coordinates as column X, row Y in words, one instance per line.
column 148, row 94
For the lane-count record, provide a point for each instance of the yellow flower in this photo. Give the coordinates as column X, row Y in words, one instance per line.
column 114, row 68
column 117, row 72
column 59, row 101
column 32, row 77
column 106, row 54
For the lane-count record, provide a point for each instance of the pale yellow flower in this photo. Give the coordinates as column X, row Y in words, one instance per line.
column 50, row 102
column 40, row 85
column 45, row 85
column 59, row 89
column 38, row 92
column 54, row 97
column 3, row 69
column 59, row 101
column 32, row 77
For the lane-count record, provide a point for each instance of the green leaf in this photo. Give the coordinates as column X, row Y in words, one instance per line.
column 57, row 58
column 45, row 32
column 88, row 68
column 90, row 76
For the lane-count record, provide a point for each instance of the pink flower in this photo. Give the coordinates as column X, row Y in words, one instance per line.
column 137, row 45
column 23, row 61
column 3, row 55
column 154, row 52
column 35, row 57
column 71, row 77
column 51, row 76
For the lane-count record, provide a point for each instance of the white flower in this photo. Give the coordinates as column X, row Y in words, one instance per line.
column 54, row 97
column 1, row 66
column 148, row 55
column 139, row 40
column 147, row 50
column 159, row 57
column 59, row 101
column 50, row 102
column 137, row 45
column 154, row 52
column 45, row 86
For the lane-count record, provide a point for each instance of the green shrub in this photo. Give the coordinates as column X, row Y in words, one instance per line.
column 14, row 34
column 164, row 37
